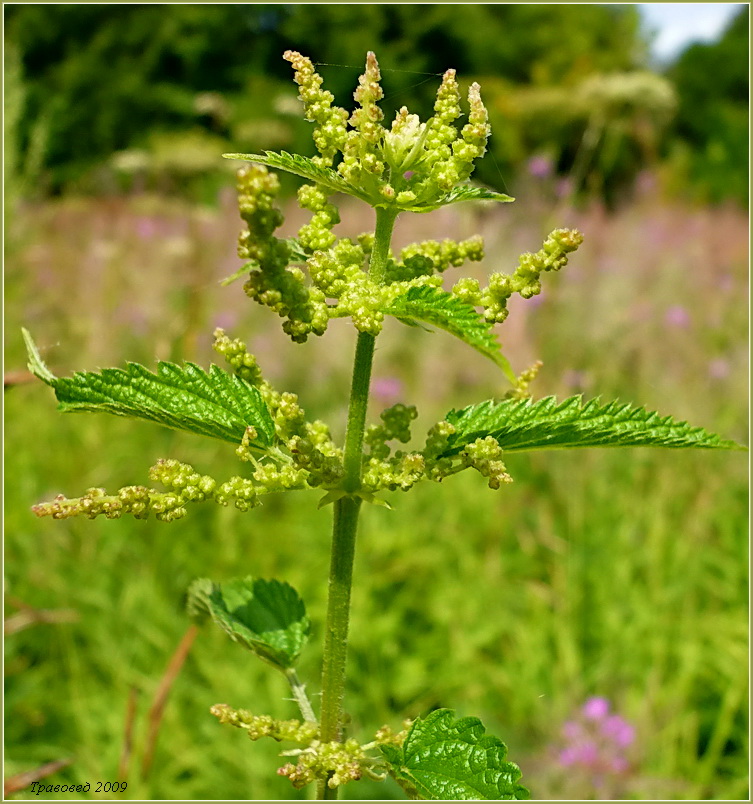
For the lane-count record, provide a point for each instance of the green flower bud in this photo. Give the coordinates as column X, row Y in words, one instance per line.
column 236, row 354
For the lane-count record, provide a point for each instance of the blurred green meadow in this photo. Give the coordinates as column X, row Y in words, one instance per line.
column 619, row 574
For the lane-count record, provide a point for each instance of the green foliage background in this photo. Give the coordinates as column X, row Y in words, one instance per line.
column 167, row 86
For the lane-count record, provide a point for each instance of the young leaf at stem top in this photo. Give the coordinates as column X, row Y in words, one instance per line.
column 332, row 181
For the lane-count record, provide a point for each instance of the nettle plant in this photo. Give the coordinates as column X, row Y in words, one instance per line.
column 309, row 280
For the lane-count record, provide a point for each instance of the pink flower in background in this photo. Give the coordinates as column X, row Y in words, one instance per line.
column 618, row 730
column 719, row 368
column 596, row 708
column 146, row 228
column 540, row 167
column 387, row 389
column 677, row 316
column 226, row 320
column 536, row 300
column 594, row 743
column 726, row 283
column 572, row 730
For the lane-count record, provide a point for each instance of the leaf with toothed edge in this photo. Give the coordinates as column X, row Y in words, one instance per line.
column 448, row 759
column 213, row 403
column 302, row 166
column 434, row 306
column 463, row 192
column 519, row 425
column 267, row 617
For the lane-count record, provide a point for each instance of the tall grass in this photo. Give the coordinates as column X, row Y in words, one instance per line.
column 613, row 573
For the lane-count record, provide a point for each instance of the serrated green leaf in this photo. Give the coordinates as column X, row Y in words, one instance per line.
column 302, row 166
column 448, row 759
column 267, row 617
column 214, row 403
column 197, row 600
column 463, row 192
column 548, row 424
column 437, row 307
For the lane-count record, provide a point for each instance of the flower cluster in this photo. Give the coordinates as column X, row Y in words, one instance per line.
column 185, row 485
column 330, row 133
column 317, row 234
column 258, row 726
column 383, row 470
column 411, row 165
column 432, row 256
column 362, row 165
column 236, row 353
column 139, row 501
column 337, row 762
column 523, row 381
column 316, row 276
column 272, row 282
column 407, row 164
column 336, row 267
column 526, row 280
column 395, row 425
column 484, row 455
column 596, row 741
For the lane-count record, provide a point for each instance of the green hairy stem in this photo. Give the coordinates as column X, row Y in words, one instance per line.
column 345, row 524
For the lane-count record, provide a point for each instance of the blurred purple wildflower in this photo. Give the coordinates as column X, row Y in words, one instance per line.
column 571, row 730
column 594, row 744
column 225, row 320
column 619, row 730
column 596, row 708
column 726, row 283
column 677, row 316
column 387, row 389
column 540, row 167
column 719, row 368
column 619, row 765
column 536, row 300
column 146, row 228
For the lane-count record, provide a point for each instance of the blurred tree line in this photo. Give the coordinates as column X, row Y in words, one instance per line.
column 711, row 129
column 147, row 96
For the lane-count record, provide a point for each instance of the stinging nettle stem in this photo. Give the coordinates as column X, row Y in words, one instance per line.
column 345, row 524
